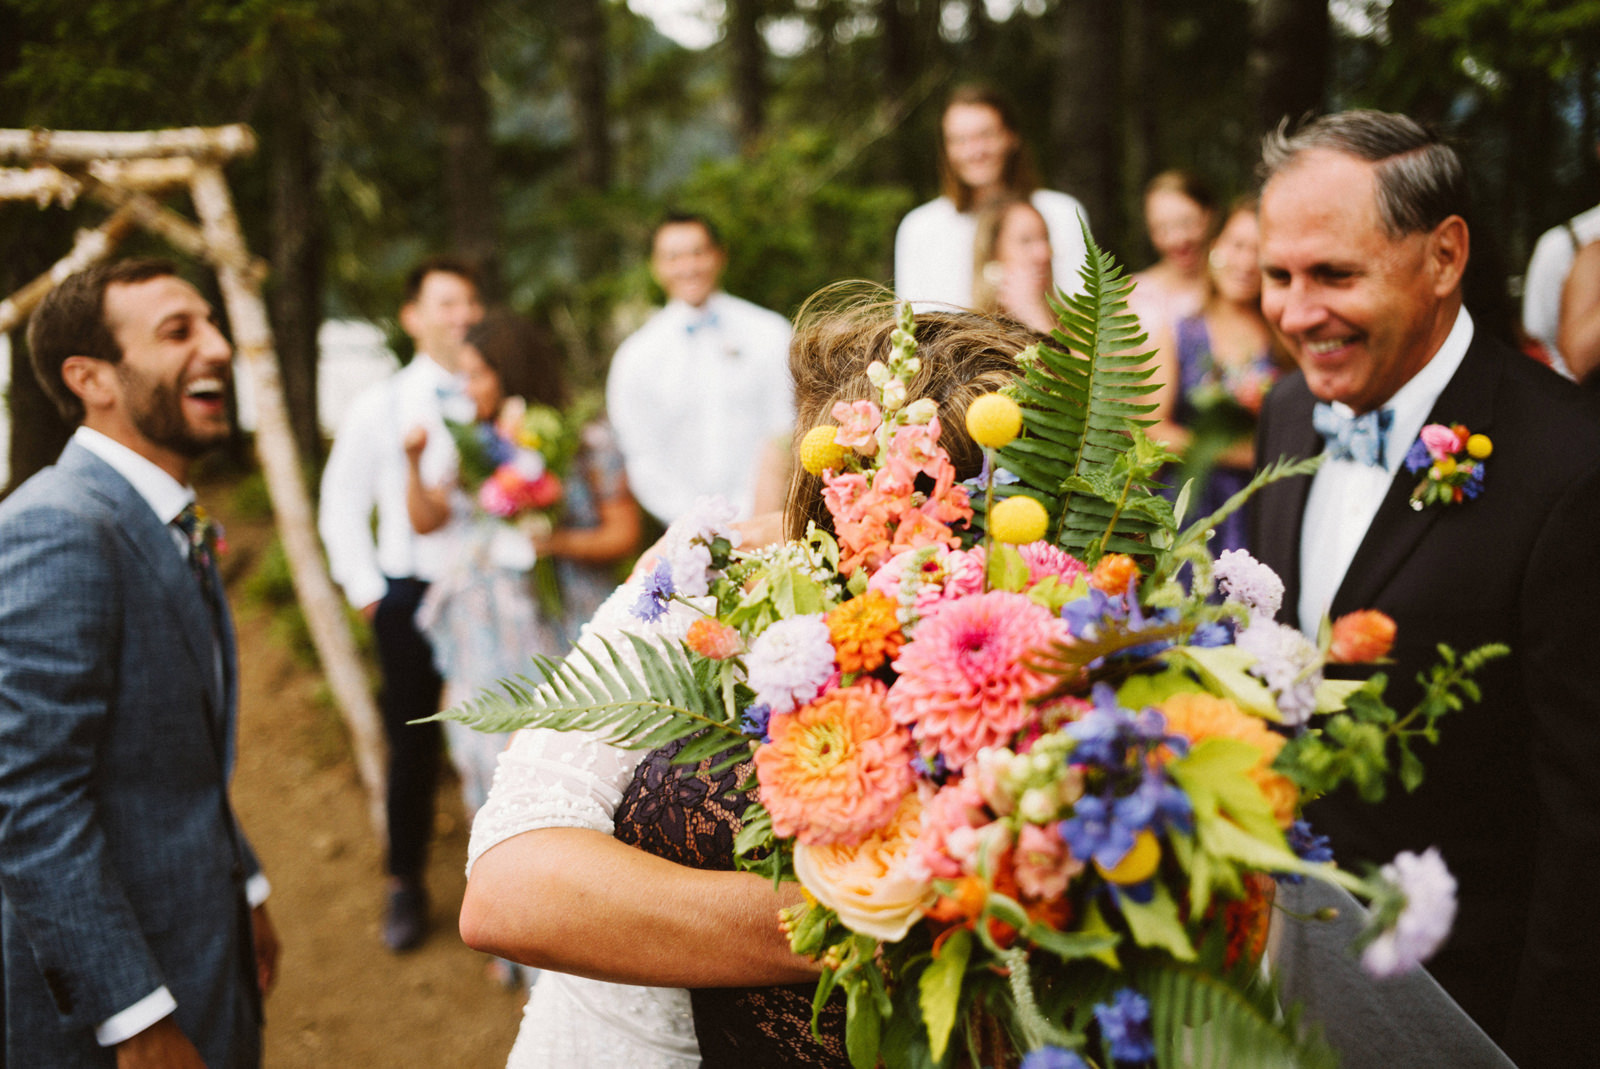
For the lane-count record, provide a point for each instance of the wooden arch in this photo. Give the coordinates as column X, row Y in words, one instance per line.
column 128, row 173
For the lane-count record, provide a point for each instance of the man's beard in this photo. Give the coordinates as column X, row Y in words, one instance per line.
column 156, row 411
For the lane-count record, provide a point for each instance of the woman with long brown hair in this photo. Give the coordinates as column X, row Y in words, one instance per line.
column 982, row 158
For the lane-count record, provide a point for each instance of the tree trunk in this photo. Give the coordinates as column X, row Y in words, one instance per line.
column 749, row 69
column 291, row 505
column 297, row 243
column 1083, row 141
column 1141, row 139
column 468, row 149
column 583, row 53
column 899, row 72
column 1289, row 59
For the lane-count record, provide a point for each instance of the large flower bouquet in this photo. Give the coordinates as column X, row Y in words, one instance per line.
column 1034, row 787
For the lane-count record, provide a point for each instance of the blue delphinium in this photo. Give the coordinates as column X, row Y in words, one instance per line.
column 1125, row 1026
column 655, row 592
column 1418, row 457
column 1096, row 832
column 1053, row 1058
column 1307, row 846
column 755, row 720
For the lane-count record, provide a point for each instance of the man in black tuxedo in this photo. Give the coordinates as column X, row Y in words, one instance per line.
column 1363, row 244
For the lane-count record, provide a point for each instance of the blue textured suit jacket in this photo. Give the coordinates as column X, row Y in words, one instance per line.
column 121, row 865
column 1512, row 795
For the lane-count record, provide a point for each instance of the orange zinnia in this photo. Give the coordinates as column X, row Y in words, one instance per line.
column 865, row 632
column 1204, row 716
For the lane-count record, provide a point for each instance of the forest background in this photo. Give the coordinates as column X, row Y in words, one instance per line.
column 543, row 138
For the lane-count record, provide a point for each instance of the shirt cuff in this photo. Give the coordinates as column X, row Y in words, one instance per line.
column 136, row 1018
column 256, row 890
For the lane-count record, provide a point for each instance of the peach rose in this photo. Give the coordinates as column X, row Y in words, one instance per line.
column 875, row 886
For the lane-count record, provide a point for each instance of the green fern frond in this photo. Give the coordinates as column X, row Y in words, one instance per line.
column 1079, row 400
column 1201, row 1021
column 664, row 701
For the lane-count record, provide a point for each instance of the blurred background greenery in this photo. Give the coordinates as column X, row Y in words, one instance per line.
column 544, row 137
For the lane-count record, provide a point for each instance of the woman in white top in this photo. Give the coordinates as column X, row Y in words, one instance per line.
column 1179, row 213
column 981, row 158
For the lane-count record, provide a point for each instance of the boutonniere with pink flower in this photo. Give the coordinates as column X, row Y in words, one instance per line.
column 1452, row 458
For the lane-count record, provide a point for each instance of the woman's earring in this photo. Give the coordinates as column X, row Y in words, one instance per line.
column 994, row 273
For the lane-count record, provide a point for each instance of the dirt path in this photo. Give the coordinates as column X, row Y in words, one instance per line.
column 342, row 999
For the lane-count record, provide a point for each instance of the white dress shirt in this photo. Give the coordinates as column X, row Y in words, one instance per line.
column 694, row 396
column 1345, row 495
column 1548, row 268
column 166, row 497
column 367, row 468
column 934, row 247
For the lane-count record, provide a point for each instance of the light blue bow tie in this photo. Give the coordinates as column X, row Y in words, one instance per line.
column 1358, row 438
column 709, row 320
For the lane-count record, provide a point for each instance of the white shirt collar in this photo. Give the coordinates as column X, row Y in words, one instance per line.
column 165, row 495
column 1412, row 402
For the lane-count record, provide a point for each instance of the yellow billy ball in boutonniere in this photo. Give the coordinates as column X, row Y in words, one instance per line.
column 1451, row 459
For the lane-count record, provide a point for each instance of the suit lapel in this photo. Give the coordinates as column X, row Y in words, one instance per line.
column 152, row 543
column 1284, row 503
column 1397, row 529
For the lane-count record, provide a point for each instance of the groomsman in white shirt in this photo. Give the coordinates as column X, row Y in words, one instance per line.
column 700, row 396
column 386, row 579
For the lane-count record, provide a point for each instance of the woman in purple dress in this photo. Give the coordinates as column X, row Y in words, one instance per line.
column 1214, row 369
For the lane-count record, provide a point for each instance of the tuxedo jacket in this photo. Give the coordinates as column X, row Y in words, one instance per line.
column 122, row 868
column 1512, row 792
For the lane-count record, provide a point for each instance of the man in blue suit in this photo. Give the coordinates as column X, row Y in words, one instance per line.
column 131, row 906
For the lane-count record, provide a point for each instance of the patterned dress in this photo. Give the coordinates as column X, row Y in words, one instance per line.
column 482, row 617
column 1214, row 392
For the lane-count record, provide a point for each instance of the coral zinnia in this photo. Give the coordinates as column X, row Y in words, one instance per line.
column 963, row 680
column 1204, row 716
column 865, row 632
column 835, row 769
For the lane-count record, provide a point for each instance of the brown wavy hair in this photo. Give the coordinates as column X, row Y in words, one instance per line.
column 842, row 329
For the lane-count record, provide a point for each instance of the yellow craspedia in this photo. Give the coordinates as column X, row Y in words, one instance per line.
column 1018, row 521
column 994, row 420
column 1140, row 863
column 1479, row 447
column 820, row 452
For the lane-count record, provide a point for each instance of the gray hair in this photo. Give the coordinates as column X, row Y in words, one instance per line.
column 1421, row 181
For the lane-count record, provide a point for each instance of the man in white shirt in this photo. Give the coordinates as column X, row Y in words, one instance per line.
column 386, row 579
column 1363, row 246
column 700, row 396
column 132, row 908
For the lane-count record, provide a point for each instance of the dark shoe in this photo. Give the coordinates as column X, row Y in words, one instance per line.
column 405, row 923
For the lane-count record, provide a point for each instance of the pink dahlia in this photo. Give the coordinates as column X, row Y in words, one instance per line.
column 1044, row 560
column 963, row 682
column 836, row 768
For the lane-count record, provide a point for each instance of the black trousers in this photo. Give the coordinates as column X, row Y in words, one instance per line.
column 411, row 689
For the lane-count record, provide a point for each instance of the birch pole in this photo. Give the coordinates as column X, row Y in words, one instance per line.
column 89, row 248
column 280, row 462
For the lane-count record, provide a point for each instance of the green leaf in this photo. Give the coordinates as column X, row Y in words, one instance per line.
column 1156, row 924
column 940, row 988
column 1226, row 670
column 863, row 1027
column 1006, row 569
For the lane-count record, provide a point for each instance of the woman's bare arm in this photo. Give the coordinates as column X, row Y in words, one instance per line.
column 576, row 900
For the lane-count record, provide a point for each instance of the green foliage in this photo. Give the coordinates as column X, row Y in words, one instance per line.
column 1201, row 1021
column 1354, row 746
column 1077, row 399
column 670, row 696
column 793, row 218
